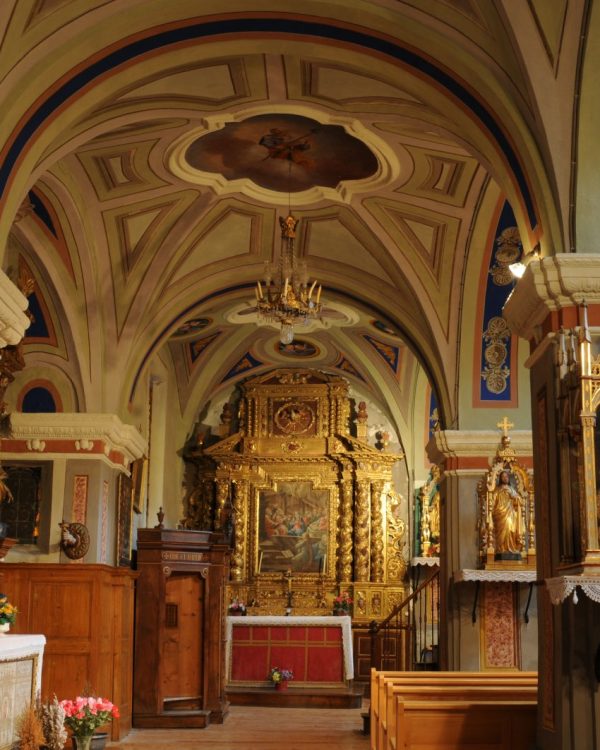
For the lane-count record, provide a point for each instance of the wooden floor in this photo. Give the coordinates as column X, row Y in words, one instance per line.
column 251, row 728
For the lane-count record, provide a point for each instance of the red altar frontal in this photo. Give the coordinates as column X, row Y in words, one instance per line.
column 317, row 649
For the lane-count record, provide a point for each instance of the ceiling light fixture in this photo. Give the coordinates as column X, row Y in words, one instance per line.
column 285, row 297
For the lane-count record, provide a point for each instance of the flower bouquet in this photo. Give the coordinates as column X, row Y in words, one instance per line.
column 8, row 614
column 280, row 677
column 342, row 604
column 84, row 715
column 237, row 607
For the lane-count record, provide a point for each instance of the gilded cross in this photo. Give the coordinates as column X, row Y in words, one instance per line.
column 505, row 426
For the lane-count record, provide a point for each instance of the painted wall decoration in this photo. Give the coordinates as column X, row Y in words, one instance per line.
column 192, row 326
column 346, row 366
column 242, row 366
column 197, row 347
column 281, row 152
column 124, row 520
column 80, row 498
column 104, row 523
column 496, row 336
column 293, row 532
column 385, row 328
column 390, row 354
column 298, row 348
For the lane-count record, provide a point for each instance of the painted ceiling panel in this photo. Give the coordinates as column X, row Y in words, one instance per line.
column 211, row 82
column 227, row 237
column 340, row 84
column 328, row 238
column 550, row 19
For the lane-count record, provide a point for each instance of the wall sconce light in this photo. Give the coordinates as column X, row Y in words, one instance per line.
column 518, row 269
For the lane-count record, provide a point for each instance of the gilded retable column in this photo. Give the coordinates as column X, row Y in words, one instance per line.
column 361, row 531
column 345, row 554
column 377, row 545
column 240, row 503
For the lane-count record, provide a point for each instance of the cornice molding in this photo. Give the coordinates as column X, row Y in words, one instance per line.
column 551, row 284
column 85, row 430
column 446, row 444
column 13, row 321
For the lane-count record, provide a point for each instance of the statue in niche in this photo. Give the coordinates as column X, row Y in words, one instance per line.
column 507, row 515
column 506, row 510
column 428, row 506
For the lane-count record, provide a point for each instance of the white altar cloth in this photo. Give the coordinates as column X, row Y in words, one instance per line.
column 345, row 623
column 20, row 680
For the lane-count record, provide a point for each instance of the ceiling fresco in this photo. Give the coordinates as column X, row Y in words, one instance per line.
column 285, row 153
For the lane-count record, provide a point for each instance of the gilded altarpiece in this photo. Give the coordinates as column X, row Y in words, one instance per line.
column 309, row 508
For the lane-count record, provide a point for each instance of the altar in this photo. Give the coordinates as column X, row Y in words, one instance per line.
column 20, row 680
column 318, row 650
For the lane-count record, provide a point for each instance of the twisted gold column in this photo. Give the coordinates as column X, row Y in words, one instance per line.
column 240, row 504
column 377, row 544
column 345, row 553
column 361, row 531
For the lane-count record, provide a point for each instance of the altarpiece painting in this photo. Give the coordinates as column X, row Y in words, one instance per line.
column 293, row 528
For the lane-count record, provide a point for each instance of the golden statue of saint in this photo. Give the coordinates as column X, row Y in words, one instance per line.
column 507, row 517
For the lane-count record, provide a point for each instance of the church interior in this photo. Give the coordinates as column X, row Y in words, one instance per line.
column 300, row 363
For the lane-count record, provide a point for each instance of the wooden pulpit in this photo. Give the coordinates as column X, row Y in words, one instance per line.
column 179, row 674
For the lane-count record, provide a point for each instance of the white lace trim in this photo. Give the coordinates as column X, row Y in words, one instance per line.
column 561, row 587
column 430, row 561
column 518, row 576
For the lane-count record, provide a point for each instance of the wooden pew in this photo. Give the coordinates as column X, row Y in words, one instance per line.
column 485, row 692
column 380, row 678
column 462, row 725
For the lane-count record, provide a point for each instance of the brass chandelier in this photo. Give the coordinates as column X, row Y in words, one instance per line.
column 285, row 297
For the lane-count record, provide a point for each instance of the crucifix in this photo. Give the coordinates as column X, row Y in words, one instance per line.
column 287, row 576
column 505, row 426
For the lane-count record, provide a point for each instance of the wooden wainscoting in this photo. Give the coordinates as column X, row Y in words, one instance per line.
column 86, row 613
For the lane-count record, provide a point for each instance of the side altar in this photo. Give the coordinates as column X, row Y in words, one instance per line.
column 318, row 650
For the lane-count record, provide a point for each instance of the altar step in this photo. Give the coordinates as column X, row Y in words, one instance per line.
column 303, row 697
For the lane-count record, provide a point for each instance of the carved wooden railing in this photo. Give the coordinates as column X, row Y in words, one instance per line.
column 408, row 638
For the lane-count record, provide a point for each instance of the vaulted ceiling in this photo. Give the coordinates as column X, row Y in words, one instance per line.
column 130, row 239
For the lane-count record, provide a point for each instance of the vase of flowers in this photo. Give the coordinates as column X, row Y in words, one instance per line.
column 280, row 677
column 342, row 604
column 84, row 715
column 8, row 614
column 236, row 608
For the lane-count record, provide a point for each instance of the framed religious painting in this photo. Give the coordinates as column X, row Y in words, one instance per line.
column 124, row 520
column 295, row 529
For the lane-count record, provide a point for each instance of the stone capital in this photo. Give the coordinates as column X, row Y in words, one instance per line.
column 474, row 449
column 551, row 285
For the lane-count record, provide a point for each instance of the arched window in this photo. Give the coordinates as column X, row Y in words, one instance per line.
column 38, row 399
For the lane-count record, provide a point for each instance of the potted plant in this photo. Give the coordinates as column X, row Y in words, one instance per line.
column 236, row 608
column 280, row 677
column 8, row 614
column 342, row 604
column 84, row 715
